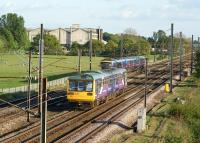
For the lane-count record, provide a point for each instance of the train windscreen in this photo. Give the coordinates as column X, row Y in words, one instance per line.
column 106, row 65
column 80, row 86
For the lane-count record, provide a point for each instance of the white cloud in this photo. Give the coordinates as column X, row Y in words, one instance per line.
column 128, row 13
column 107, row 13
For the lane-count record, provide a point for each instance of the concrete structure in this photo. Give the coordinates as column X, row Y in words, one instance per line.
column 141, row 121
column 66, row 36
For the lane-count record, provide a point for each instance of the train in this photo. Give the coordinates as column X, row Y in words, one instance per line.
column 129, row 63
column 95, row 87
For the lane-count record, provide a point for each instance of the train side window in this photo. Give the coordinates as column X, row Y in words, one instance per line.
column 98, row 86
column 119, row 65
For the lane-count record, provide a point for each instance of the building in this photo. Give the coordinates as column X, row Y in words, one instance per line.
column 66, row 36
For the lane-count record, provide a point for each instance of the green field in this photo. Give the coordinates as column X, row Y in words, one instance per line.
column 14, row 68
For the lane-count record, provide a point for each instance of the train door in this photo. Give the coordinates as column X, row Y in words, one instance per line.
column 98, row 88
column 113, row 83
column 125, row 78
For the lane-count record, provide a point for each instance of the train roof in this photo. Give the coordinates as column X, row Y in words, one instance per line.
column 93, row 75
column 124, row 58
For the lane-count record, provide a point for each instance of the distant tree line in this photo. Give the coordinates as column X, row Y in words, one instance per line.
column 13, row 36
column 131, row 44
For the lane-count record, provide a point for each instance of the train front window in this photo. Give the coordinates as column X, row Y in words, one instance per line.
column 72, row 85
column 105, row 65
column 81, row 86
column 89, row 86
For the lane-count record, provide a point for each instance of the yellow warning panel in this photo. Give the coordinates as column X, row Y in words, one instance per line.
column 167, row 88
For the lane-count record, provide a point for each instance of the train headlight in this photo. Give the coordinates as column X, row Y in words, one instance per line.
column 70, row 93
column 89, row 94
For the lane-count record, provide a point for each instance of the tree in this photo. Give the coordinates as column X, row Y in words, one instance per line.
column 197, row 63
column 12, row 24
column 135, row 45
column 107, row 36
column 2, row 44
column 74, row 48
column 159, row 41
column 97, row 47
column 51, row 44
column 130, row 31
column 110, row 48
column 144, row 47
column 7, row 37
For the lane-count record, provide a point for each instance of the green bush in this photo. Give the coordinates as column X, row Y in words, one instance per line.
column 197, row 63
column 173, row 139
column 190, row 113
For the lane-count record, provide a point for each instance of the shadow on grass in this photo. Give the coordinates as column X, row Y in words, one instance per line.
column 47, row 57
column 54, row 77
column 188, row 83
column 14, row 98
column 160, row 114
column 115, row 123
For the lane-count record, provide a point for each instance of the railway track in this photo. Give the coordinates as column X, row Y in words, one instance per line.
column 104, row 121
column 108, row 118
column 54, row 123
column 18, row 118
column 11, row 113
column 57, row 130
column 85, row 119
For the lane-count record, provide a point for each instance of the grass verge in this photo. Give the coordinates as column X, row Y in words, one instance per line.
column 175, row 120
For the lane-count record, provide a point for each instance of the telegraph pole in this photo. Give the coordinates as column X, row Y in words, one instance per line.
column 29, row 86
column 121, row 46
column 145, row 95
column 79, row 60
column 191, row 71
column 90, row 50
column 41, row 45
column 180, row 54
column 155, row 39
column 70, row 37
column 171, row 57
column 44, row 112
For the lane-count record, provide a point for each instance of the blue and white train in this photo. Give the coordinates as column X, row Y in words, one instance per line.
column 98, row 86
column 135, row 62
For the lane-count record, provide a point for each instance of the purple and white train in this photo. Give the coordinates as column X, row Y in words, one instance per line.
column 95, row 87
column 129, row 63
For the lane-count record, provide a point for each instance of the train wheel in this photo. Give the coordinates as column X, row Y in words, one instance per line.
column 107, row 98
column 92, row 104
column 96, row 102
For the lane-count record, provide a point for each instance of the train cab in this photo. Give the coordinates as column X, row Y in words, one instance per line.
column 93, row 87
column 80, row 88
column 106, row 64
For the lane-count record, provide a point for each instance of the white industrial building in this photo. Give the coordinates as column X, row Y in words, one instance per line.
column 66, row 36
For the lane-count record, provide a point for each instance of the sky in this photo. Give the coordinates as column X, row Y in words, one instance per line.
column 114, row 16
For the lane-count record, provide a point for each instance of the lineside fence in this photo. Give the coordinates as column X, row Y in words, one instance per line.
column 53, row 83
